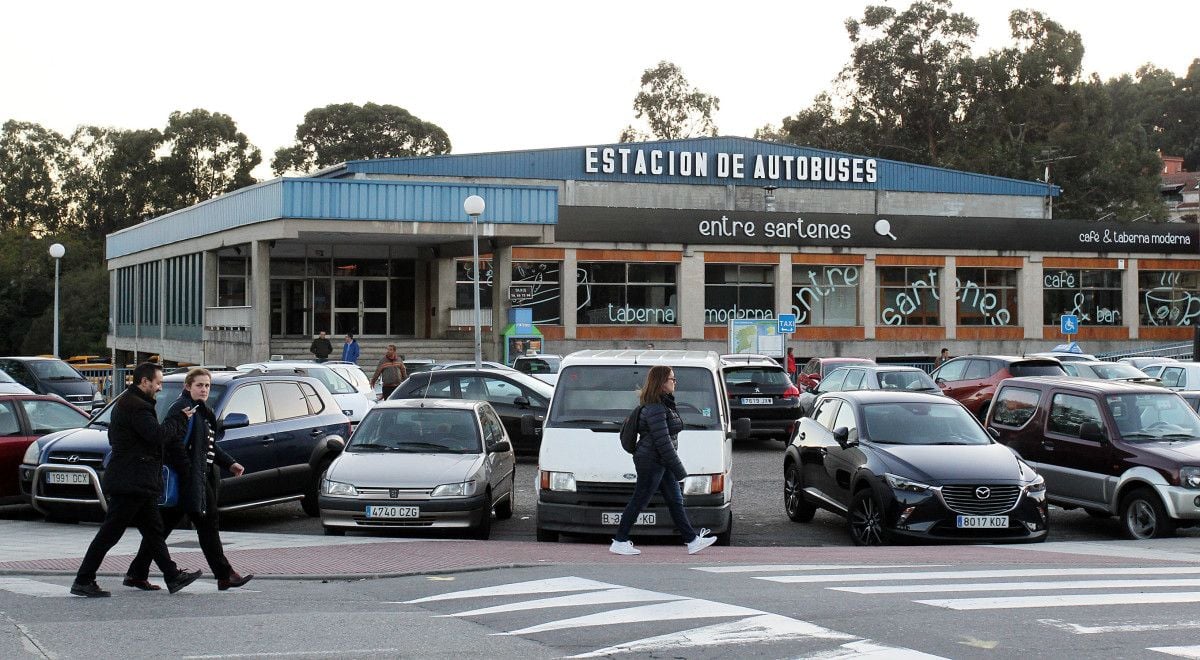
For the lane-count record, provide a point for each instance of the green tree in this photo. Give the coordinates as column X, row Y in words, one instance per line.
column 671, row 108
column 206, row 156
column 83, row 301
column 33, row 164
column 26, row 286
column 117, row 179
column 344, row 131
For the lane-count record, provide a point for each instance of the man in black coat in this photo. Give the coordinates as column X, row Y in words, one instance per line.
column 196, row 455
column 321, row 347
column 133, row 481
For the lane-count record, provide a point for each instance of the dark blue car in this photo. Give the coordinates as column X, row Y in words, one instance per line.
column 284, row 446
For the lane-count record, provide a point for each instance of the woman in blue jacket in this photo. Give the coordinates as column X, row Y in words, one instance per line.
column 658, row 428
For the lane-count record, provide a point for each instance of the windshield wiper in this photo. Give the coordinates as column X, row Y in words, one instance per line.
column 694, row 425
column 369, row 445
column 1138, row 434
column 587, row 420
column 427, row 445
column 1179, row 436
column 97, row 422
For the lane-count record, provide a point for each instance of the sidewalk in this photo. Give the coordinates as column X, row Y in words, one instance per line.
column 33, row 547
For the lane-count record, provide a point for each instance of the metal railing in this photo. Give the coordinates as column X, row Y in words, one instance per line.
column 109, row 382
column 1180, row 351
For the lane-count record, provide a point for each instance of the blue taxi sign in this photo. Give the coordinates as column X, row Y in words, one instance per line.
column 787, row 324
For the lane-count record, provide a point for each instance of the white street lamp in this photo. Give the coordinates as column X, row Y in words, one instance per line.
column 474, row 206
column 57, row 251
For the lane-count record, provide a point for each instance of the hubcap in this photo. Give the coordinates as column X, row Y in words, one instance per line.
column 791, row 491
column 1141, row 519
column 867, row 523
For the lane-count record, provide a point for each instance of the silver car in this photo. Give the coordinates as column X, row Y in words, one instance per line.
column 422, row 463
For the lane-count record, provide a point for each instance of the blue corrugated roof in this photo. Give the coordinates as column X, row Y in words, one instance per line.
column 568, row 163
column 339, row 199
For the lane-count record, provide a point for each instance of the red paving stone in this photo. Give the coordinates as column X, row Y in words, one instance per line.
column 385, row 559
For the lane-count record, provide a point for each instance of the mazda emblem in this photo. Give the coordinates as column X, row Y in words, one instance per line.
column 983, row 492
column 74, row 458
column 631, row 477
column 393, row 493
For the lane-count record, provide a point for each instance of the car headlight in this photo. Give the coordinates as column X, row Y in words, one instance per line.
column 704, row 484
column 564, row 481
column 1038, row 485
column 461, row 489
column 32, row 453
column 338, row 489
column 904, row 484
column 1189, row 477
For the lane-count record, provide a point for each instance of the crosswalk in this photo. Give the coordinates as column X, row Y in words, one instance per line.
column 62, row 589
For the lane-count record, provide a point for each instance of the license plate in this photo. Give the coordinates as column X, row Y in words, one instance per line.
column 72, row 478
column 982, row 522
column 615, row 518
column 756, row 400
column 393, row 511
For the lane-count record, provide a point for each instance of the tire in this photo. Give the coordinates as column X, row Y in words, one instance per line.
column 333, row 531
column 504, row 510
column 1143, row 516
column 794, row 504
column 546, row 536
column 725, row 538
column 310, row 504
column 866, row 519
column 483, row 531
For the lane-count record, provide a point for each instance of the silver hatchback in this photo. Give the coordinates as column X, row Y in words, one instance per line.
column 422, row 463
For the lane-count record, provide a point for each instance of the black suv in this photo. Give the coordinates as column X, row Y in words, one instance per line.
column 760, row 389
column 48, row 375
column 281, row 441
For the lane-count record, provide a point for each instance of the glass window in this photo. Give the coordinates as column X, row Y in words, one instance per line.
column 825, row 295
column 547, row 289
column 978, row 370
column 315, row 404
column 909, row 295
column 1169, row 297
column 913, row 423
column 231, row 281
column 501, row 391
column 736, row 291
column 493, row 429
column 360, row 267
column 951, row 371
column 1092, row 295
column 845, row 418
column 287, row 401
column 854, row 379
column 464, row 284
column 10, row 426
column 1014, row 406
column 412, row 430
column 833, row 382
column 441, row 387
column 248, row 400
column 587, row 396
column 1069, row 412
column 50, row 416
column 287, row 267
column 626, row 294
column 825, row 413
column 987, row 296
column 908, row 379
column 755, row 377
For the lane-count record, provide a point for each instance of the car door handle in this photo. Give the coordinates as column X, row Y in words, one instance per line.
column 266, row 440
column 317, row 432
column 1047, row 445
column 800, row 435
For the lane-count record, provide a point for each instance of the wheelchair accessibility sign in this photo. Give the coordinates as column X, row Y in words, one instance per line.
column 1069, row 324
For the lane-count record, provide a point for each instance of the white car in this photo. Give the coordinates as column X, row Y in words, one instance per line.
column 1180, row 376
column 543, row 367
column 354, row 403
column 10, row 386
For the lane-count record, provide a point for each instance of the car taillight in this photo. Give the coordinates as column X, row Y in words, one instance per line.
column 792, row 392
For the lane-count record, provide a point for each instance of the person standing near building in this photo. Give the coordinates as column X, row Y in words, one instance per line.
column 657, row 464
column 790, row 364
column 133, row 481
column 321, row 347
column 941, row 358
column 197, row 456
column 350, row 350
column 391, row 369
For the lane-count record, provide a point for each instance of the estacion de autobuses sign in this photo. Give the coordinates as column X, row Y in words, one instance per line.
column 728, row 165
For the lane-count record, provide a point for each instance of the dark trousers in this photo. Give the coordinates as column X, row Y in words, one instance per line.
column 139, row 511
column 652, row 476
column 207, row 529
column 388, row 389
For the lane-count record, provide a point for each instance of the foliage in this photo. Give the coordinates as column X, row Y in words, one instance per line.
column 671, row 107
column 206, row 156
column 344, row 131
column 33, row 164
column 117, row 180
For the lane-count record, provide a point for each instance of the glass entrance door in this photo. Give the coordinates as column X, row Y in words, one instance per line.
column 289, row 313
column 360, row 306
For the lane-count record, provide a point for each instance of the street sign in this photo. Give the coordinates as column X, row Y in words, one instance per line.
column 520, row 294
column 787, row 324
column 1069, row 324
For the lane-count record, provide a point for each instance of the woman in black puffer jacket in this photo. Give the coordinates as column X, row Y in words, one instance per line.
column 658, row 429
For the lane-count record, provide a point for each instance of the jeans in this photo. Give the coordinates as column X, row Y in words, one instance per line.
column 208, row 531
column 652, row 476
column 140, row 511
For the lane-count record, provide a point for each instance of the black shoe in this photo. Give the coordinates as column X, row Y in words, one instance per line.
column 90, row 590
column 183, row 579
column 140, row 583
column 234, row 580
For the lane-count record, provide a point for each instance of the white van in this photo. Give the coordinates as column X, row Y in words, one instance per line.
column 585, row 478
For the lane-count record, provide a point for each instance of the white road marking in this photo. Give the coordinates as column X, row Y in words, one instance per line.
column 690, row 608
column 294, row 654
column 532, row 587
column 872, row 651
column 27, row 587
column 1062, row 600
column 761, row 628
column 963, row 575
column 1178, row 651
column 784, row 568
column 1079, row 629
column 1161, row 550
column 608, row 596
column 1020, row 586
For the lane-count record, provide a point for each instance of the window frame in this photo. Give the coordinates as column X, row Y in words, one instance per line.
column 929, row 305
column 737, row 285
column 670, row 289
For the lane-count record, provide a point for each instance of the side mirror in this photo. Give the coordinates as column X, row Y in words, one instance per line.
column 1091, row 431
column 335, row 443
column 993, row 432
column 741, row 428
column 521, row 402
column 235, row 421
column 528, row 425
column 841, row 435
column 500, row 447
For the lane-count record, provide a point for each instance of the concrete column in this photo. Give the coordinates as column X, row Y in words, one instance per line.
column 260, row 299
column 210, row 278
column 948, row 290
column 690, row 301
column 443, row 295
column 867, row 297
column 161, row 267
column 1029, row 282
column 569, row 293
column 1130, row 311
column 420, row 304
column 502, row 264
column 783, row 284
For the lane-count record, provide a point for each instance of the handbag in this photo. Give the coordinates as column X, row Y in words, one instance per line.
column 170, row 476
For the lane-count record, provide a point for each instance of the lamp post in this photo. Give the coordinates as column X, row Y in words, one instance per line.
column 57, row 251
column 474, row 206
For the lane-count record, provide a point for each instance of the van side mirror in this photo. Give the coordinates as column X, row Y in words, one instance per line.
column 235, row 421
column 741, row 429
column 994, row 433
column 1092, row 431
column 841, row 435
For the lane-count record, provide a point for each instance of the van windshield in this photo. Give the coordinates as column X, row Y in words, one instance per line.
column 602, row 396
column 53, row 370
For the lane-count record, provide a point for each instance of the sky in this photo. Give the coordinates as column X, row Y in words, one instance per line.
column 497, row 76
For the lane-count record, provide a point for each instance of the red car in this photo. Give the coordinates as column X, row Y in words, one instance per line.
column 23, row 419
column 971, row 380
column 817, row 368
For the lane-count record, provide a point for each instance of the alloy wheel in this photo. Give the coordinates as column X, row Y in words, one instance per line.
column 866, row 521
column 1141, row 520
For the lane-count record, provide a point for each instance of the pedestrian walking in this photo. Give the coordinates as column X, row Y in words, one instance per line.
column 391, row 370
column 321, row 347
column 196, row 456
column 350, row 350
column 656, row 456
column 133, row 481
column 790, row 364
column 941, row 358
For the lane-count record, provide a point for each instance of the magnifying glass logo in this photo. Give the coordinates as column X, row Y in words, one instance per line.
column 884, row 228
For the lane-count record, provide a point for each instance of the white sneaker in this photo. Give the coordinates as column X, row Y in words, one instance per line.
column 704, row 531
column 699, row 543
column 624, row 548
